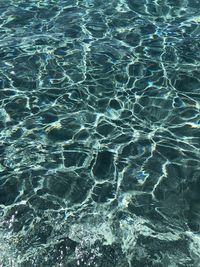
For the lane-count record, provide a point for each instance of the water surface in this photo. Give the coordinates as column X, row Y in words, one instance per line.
column 99, row 133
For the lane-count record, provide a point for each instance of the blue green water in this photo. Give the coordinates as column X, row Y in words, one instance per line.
column 99, row 133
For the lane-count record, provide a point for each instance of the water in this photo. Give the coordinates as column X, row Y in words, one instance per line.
column 99, row 133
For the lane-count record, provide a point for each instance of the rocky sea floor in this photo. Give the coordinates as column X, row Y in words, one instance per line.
column 99, row 133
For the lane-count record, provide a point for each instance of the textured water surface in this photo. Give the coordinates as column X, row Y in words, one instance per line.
column 99, row 133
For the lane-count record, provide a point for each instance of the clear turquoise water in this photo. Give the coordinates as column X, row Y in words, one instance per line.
column 99, row 133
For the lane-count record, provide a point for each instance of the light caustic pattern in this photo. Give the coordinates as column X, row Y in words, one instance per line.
column 99, row 133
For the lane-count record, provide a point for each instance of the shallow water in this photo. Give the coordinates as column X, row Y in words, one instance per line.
column 99, row 133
